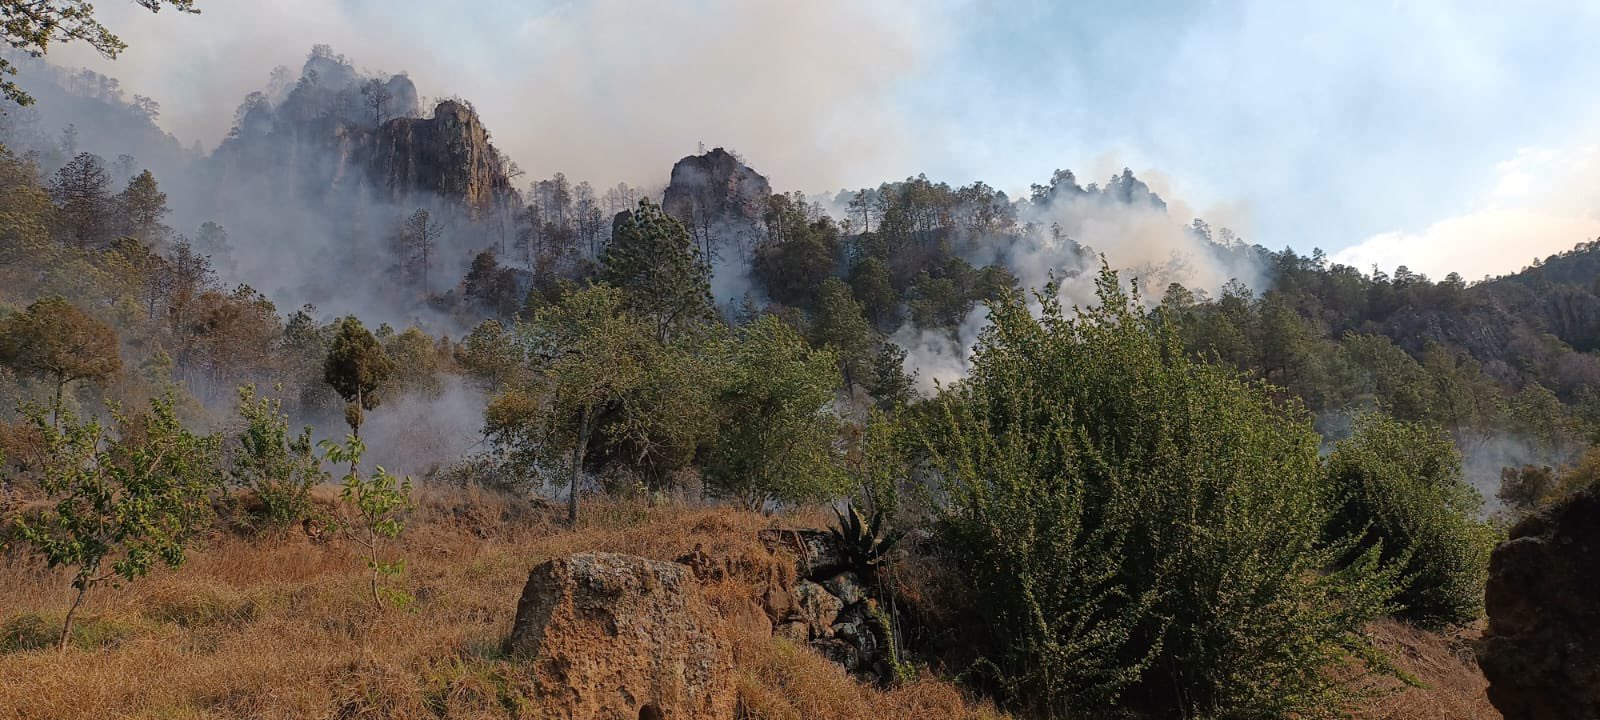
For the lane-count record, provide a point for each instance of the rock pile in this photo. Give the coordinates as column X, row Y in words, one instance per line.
column 831, row 607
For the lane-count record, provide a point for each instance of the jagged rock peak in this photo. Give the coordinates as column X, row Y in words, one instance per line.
column 715, row 186
column 448, row 154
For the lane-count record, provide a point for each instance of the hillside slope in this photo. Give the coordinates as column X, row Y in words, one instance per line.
column 284, row 629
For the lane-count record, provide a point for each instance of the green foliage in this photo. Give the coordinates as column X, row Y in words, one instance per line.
column 584, row 355
column 490, row 353
column 800, row 254
column 1142, row 530
column 777, row 439
column 656, row 430
column 379, row 500
column 1398, row 487
column 864, row 544
column 889, row 383
column 839, row 322
column 356, row 367
column 877, row 465
column 129, row 500
column 416, row 364
column 870, row 283
column 55, row 340
column 658, row 267
column 280, row 468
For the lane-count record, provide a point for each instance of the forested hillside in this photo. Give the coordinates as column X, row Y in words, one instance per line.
column 1176, row 472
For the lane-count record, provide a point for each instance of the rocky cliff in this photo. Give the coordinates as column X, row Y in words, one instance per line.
column 448, row 154
column 715, row 187
column 1541, row 652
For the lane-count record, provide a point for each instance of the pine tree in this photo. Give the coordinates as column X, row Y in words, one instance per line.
column 654, row 262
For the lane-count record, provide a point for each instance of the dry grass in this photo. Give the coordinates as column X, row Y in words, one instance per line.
column 250, row 628
column 254, row 628
column 1453, row 685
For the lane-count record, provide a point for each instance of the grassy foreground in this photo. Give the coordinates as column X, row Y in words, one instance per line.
column 285, row 628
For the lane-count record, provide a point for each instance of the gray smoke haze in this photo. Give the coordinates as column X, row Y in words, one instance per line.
column 1145, row 237
column 416, row 434
column 603, row 89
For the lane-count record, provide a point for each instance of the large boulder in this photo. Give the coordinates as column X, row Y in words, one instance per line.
column 1541, row 652
column 617, row 637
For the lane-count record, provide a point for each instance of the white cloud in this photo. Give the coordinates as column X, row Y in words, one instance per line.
column 1539, row 202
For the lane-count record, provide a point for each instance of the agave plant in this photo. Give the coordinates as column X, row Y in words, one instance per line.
column 863, row 544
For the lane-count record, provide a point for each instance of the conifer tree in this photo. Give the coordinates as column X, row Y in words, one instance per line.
column 655, row 263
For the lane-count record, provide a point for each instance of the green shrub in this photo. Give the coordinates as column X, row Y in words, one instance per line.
column 280, row 468
column 1398, row 487
column 1142, row 530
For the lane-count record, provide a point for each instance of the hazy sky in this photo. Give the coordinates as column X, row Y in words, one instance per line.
column 1445, row 135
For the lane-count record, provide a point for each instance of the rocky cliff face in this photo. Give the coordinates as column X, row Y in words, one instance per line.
column 1541, row 652
column 715, row 187
column 448, row 154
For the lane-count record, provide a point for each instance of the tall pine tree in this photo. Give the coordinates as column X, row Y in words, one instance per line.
column 654, row 262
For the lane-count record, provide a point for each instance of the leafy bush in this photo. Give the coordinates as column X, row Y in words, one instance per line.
column 777, row 441
column 127, row 500
column 1398, row 487
column 1140, row 529
column 379, row 501
column 280, row 468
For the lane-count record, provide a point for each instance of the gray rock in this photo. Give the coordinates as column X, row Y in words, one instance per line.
column 847, row 587
column 817, row 607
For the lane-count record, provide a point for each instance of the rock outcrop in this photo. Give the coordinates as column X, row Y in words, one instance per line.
column 715, row 187
column 830, row 608
column 617, row 637
column 448, row 155
column 1541, row 652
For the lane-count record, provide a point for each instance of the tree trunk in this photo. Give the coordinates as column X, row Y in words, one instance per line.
column 376, row 599
column 355, row 428
column 578, row 451
column 61, row 383
column 66, row 626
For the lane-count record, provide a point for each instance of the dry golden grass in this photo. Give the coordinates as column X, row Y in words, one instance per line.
column 1453, row 685
column 256, row 628
column 251, row 628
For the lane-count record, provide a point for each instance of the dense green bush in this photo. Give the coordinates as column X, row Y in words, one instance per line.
column 1398, row 487
column 278, row 467
column 1142, row 530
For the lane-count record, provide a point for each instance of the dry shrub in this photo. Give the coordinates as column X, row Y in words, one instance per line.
column 781, row 681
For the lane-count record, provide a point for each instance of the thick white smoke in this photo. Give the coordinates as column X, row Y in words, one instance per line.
column 613, row 89
column 1151, row 242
